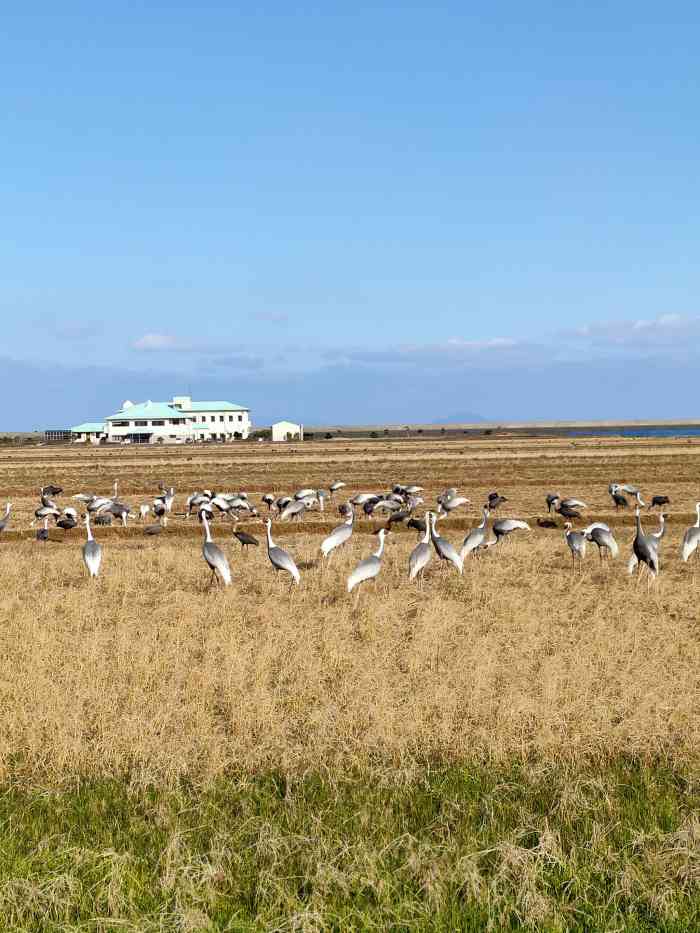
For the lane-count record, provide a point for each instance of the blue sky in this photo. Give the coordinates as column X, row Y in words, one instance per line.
column 351, row 212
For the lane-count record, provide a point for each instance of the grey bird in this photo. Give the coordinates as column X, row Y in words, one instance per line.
column 476, row 537
column 644, row 549
column 92, row 551
column 214, row 556
column 5, row 520
column 368, row 568
column 577, row 544
column 280, row 559
column 506, row 526
column 340, row 534
column 421, row 554
column 691, row 538
column 603, row 538
column 444, row 550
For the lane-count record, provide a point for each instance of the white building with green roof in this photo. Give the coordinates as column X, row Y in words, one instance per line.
column 178, row 421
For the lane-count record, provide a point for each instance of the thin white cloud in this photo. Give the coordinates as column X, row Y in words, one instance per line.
column 157, row 342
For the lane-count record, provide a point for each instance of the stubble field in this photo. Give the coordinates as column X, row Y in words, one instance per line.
column 513, row 747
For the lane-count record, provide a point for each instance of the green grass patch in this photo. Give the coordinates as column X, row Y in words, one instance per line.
column 457, row 849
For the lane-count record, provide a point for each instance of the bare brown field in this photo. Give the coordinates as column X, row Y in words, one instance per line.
column 146, row 672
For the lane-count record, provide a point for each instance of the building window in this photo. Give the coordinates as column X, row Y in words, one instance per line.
column 121, row 424
column 157, row 424
column 140, row 424
column 240, row 417
column 230, row 417
column 221, row 419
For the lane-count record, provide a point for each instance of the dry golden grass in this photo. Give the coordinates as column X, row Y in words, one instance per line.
column 147, row 672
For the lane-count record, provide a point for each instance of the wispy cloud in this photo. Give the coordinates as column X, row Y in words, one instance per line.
column 270, row 317
column 238, row 361
column 159, row 343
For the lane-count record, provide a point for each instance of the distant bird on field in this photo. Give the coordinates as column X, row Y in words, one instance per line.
column 42, row 534
column 495, row 501
column 92, row 551
column 691, row 538
column 368, row 568
column 334, row 487
column 152, row 530
column 280, row 559
column 51, row 490
column 658, row 501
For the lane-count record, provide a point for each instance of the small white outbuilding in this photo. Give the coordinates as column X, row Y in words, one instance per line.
column 287, row 431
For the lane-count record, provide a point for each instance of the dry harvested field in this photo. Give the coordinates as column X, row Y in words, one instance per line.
column 512, row 749
column 148, row 671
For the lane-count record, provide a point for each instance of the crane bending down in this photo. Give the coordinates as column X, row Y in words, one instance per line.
column 577, row 544
column 92, row 551
column 421, row 554
column 279, row 558
column 368, row 568
column 691, row 538
column 213, row 555
column 602, row 537
column 340, row 534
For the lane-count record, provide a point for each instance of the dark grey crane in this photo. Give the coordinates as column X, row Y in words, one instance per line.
column 658, row 501
column 644, row 549
column 246, row 540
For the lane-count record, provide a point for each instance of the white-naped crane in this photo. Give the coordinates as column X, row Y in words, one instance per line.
column 5, row 520
column 443, row 548
column 447, row 506
column 92, row 551
column 421, row 554
column 340, row 534
column 280, row 559
column 44, row 512
column 576, row 541
column 691, row 538
column 476, row 537
column 368, row 568
column 144, row 511
column 603, row 538
column 294, row 509
column 335, row 487
column 214, row 555
column 506, row 526
column 645, row 549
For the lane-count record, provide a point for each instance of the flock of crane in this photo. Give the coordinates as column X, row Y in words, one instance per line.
column 396, row 506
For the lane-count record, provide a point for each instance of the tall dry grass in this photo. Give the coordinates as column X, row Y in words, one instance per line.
column 147, row 672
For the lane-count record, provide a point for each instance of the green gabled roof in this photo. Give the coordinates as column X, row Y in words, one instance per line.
column 147, row 411
column 215, row 406
column 90, row 427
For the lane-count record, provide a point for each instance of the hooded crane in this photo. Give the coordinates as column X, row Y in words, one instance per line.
column 368, row 568
column 279, row 558
column 476, row 536
column 92, row 551
column 658, row 501
column 620, row 501
column 577, row 544
column 246, row 540
column 214, row 556
column 340, row 534
column 691, row 538
column 445, row 550
column 644, row 548
column 420, row 555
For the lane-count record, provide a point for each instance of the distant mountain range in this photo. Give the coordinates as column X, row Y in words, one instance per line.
column 462, row 417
